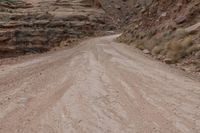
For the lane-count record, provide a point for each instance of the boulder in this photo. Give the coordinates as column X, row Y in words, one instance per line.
column 193, row 28
column 168, row 61
column 180, row 19
column 146, row 51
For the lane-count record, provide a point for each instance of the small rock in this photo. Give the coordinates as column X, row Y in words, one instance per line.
column 197, row 55
column 117, row 7
column 143, row 10
column 41, row 22
column 146, row 51
column 180, row 19
column 164, row 14
column 168, row 61
column 159, row 57
column 137, row 5
column 193, row 28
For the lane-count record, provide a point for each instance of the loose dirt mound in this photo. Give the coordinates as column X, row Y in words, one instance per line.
column 168, row 30
column 37, row 26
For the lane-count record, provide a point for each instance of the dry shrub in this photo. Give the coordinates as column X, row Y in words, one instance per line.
column 198, row 65
column 193, row 48
column 177, row 49
column 174, row 45
column 172, row 55
column 157, row 49
column 187, row 42
column 180, row 33
column 150, row 44
column 139, row 44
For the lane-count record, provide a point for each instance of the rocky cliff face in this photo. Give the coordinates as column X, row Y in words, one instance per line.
column 37, row 27
column 122, row 11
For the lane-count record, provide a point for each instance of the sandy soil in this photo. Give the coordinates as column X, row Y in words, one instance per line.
column 97, row 87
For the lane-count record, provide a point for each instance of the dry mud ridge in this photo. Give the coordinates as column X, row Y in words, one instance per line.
column 37, row 25
column 99, row 86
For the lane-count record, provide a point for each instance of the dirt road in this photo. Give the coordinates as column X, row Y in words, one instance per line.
column 99, row 86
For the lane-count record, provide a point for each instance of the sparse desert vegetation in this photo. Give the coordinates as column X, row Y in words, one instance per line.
column 171, row 35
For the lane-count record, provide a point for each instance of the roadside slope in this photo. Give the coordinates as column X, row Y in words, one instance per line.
column 169, row 30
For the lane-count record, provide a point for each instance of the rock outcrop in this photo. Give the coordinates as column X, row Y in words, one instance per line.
column 27, row 27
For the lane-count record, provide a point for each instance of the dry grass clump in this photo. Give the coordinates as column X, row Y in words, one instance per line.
column 180, row 33
column 198, row 66
column 150, row 44
column 124, row 39
column 157, row 49
column 192, row 49
column 173, row 45
column 145, row 44
column 187, row 42
column 139, row 44
column 177, row 49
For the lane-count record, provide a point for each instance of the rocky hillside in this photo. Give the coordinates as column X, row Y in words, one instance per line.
column 38, row 25
column 169, row 30
column 122, row 11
